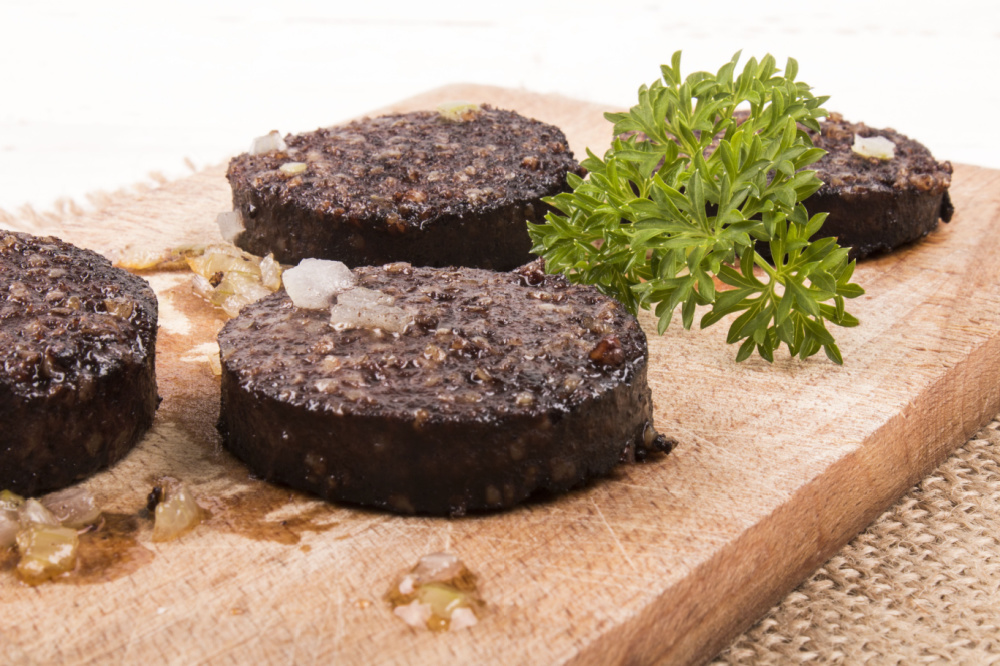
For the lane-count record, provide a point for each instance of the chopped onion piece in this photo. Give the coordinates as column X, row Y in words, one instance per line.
column 457, row 112
column 144, row 259
column 73, row 507
column 232, row 305
column 230, row 224
column 462, row 618
column 406, row 585
column 270, row 273
column 9, row 526
column 438, row 593
column 230, row 278
column 46, row 551
column 176, row 514
column 314, row 282
column 244, row 285
column 874, row 146
column 443, row 599
column 9, row 500
column 219, row 259
column 364, row 297
column 368, row 308
column 293, row 168
column 215, row 363
column 33, row 512
column 267, row 143
column 415, row 613
column 437, row 567
column 202, row 287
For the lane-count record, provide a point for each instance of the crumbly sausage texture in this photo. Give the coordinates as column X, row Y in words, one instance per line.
column 415, row 187
column 504, row 384
column 877, row 205
column 77, row 352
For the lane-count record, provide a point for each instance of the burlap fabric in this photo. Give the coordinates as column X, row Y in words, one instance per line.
column 920, row 585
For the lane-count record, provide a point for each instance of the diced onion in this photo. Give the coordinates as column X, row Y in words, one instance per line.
column 270, row 273
column 46, row 551
column 314, row 282
column 230, row 224
column 406, row 586
column 73, row 507
column 33, row 512
column 230, row 278
column 415, row 613
column 874, row 146
column 443, row 599
column 224, row 259
column 369, row 309
column 176, row 514
column 437, row 567
column 458, row 111
column 439, row 593
column 10, row 501
column 269, row 142
column 144, row 258
column 462, row 618
column 364, row 297
column 293, row 168
column 215, row 363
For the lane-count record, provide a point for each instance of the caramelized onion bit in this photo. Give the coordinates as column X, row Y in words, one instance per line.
column 33, row 512
column 176, row 514
column 439, row 593
column 146, row 259
column 46, row 551
column 73, row 507
column 293, row 168
column 270, row 273
column 10, row 501
column 230, row 278
column 457, row 112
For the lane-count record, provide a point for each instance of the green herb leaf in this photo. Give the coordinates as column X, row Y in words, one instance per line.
column 688, row 192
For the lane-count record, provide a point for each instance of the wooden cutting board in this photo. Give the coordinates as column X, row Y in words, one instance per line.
column 778, row 466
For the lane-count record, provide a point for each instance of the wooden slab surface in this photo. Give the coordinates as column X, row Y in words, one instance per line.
column 777, row 467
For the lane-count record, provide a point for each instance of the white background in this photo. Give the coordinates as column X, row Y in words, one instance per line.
column 96, row 95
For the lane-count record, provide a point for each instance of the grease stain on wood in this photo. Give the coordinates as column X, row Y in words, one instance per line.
column 110, row 552
column 8, row 559
column 248, row 514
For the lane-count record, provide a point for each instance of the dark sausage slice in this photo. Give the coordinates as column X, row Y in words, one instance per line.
column 77, row 362
column 415, row 187
column 503, row 384
column 877, row 205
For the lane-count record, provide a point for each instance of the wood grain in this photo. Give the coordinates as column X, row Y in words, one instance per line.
column 778, row 466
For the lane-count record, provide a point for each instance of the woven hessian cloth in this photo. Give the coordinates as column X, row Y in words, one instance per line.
column 920, row 585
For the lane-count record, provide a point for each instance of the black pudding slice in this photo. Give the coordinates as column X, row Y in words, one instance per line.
column 503, row 385
column 422, row 187
column 77, row 362
column 877, row 205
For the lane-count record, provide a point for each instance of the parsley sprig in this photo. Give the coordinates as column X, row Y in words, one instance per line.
column 685, row 195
